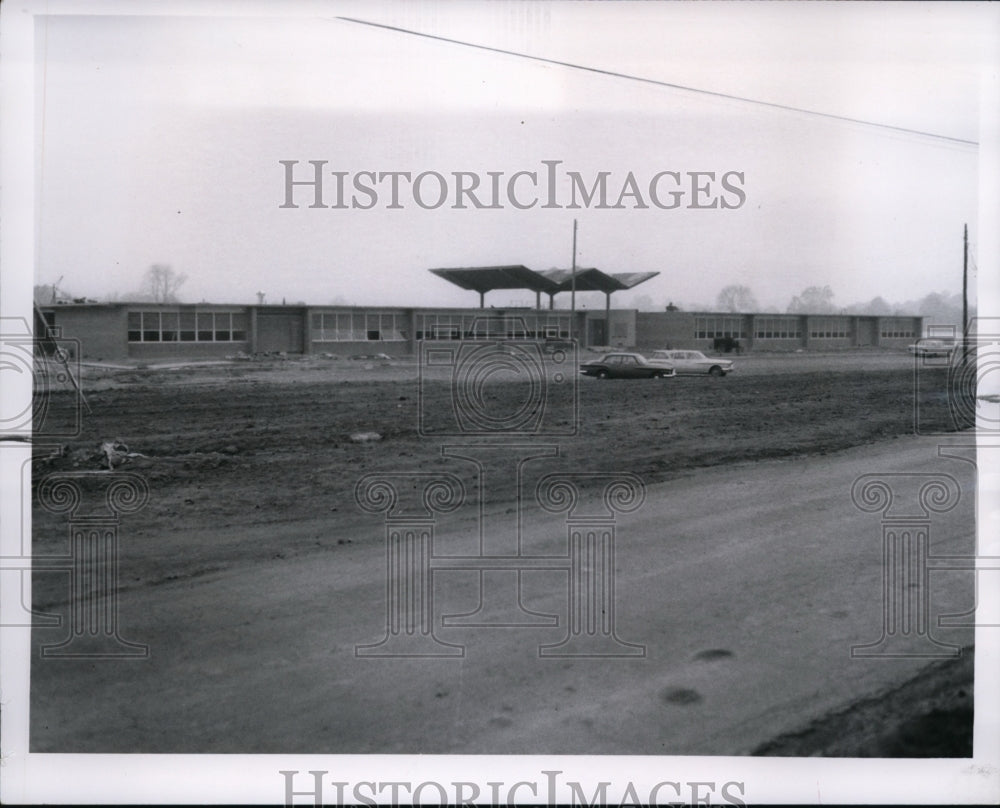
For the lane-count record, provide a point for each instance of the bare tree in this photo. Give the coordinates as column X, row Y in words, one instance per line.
column 161, row 283
column 736, row 298
column 45, row 293
column 814, row 300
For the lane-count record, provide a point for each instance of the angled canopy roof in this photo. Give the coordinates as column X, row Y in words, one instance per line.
column 550, row 281
column 593, row 280
column 483, row 279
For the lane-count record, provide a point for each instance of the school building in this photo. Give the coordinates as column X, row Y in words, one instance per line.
column 153, row 331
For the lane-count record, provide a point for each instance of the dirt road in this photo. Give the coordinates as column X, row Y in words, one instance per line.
column 747, row 584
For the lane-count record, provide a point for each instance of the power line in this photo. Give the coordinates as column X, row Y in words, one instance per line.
column 658, row 83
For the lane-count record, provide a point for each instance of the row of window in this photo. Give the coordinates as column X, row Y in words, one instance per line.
column 355, row 326
column 777, row 328
column 830, row 328
column 896, row 329
column 711, row 327
column 187, row 326
column 466, row 326
column 771, row 327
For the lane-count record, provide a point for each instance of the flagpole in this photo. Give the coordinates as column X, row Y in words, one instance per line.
column 572, row 293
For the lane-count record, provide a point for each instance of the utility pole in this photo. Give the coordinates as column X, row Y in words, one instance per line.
column 572, row 287
column 965, row 295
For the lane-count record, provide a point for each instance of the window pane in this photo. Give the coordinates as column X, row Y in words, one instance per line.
column 168, row 325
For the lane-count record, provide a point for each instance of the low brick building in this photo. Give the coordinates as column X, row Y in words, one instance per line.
column 148, row 331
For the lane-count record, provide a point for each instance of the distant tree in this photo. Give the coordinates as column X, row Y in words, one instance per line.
column 813, row 300
column 45, row 294
column 877, row 306
column 941, row 307
column 644, row 303
column 736, row 298
column 161, row 283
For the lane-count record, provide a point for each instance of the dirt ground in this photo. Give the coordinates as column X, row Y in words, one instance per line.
column 250, row 443
column 231, row 445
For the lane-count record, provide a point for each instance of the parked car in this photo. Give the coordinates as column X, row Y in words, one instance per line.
column 932, row 347
column 619, row 365
column 689, row 362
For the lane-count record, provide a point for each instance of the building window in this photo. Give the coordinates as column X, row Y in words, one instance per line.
column 777, row 328
column 187, row 323
column 350, row 326
column 897, row 328
column 712, row 327
column 526, row 326
column 187, row 326
column 829, row 327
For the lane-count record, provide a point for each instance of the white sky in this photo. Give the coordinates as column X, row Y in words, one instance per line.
column 159, row 140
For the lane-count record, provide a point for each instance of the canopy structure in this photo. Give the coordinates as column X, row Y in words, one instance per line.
column 486, row 279
column 550, row 281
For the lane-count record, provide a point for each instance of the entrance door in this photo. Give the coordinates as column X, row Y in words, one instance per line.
column 866, row 333
column 280, row 331
column 597, row 332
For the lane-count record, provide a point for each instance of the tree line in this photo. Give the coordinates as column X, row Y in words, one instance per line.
column 936, row 307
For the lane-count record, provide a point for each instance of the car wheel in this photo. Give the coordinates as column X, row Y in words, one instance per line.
column 715, row 370
column 602, row 374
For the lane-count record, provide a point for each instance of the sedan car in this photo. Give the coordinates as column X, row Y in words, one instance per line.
column 932, row 347
column 689, row 362
column 620, row 365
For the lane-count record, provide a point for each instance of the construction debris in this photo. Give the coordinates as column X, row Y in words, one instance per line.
column 366, row 437
column 116, row 453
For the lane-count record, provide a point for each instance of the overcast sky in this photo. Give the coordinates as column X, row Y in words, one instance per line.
column 159, row 141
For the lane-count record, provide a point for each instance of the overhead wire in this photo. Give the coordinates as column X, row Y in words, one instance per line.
column 667, row 84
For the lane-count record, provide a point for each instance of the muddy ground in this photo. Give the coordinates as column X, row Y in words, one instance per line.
column 225, row 446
